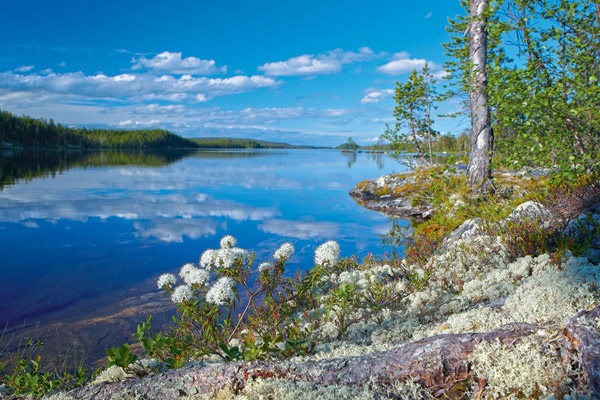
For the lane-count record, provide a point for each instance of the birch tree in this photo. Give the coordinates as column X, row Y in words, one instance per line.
column 482, row 138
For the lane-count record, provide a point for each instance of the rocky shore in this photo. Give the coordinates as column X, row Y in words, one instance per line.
column 481, row 324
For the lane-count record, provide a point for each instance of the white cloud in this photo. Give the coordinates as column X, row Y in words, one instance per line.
column 376, row 95
column 320, row 64
column 62, row 64
column 440, row 74
column 429, row 15
column 403, row 64
column 24, row 68
column 173, row 63
column 131, row 86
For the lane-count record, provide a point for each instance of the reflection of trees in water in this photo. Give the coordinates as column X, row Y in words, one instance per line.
column 26, row 165
column 397, row 237
column 377, row 158
column 350, row 158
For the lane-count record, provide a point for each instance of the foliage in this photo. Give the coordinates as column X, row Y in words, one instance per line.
column 545, row 102
column 349, row 145
column 24, row 373
column 120, row 356
column 280, row 316
column 414, row 102
column 29, row 132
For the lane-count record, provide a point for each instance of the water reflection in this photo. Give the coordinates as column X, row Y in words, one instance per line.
column 25, row 165
column 102, row 229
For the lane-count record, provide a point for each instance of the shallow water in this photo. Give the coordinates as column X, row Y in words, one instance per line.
column 85, row 234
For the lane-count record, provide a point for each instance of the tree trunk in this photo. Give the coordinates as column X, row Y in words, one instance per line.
column 481, row 134
column 438, row 363
column 415, row 140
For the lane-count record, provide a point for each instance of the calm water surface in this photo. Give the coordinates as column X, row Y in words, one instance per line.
column 80, row 231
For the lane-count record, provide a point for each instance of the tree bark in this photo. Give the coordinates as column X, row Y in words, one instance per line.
column 481, row 134
column 582, row 332
column 438, row 363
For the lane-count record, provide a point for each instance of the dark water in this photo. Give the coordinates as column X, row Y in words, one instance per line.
column 83, row 235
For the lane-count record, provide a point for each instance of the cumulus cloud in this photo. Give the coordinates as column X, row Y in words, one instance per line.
column 429, row 15
column 131, row 86
column 402, row 63
column 173, row 63
column 376, row 95
column 319, row 64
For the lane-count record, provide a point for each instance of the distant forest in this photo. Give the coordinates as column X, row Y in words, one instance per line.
column 30, row 132
column 229, row 143
column 439, row 144
column 40, row 133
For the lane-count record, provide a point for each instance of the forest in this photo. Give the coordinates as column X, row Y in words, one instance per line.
column 30, row 132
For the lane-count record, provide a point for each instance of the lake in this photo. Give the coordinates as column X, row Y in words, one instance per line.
column 84, row 234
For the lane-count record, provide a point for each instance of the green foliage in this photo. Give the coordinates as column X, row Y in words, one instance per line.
column 544, row 103
column 349, row 145
column 29, row 132
column 24, row 373
column 414, row 103
column 120, row 356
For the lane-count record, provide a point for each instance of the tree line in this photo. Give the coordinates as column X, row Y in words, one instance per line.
column 30, row 132
column 233, row 143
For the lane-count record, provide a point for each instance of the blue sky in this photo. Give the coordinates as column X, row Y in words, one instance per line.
column 306, row 72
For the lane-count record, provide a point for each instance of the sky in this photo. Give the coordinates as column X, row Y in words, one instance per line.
column 301, row 72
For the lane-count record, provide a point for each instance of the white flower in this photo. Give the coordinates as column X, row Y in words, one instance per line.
column 227, row 242
column 225, row 258
column 328, row 252
column 263, row 266
column 208, row 258
column 166, row 279
column 197, row 277
column 284, row 252
column 186, row 269
column 221, row 293
column 181, row 294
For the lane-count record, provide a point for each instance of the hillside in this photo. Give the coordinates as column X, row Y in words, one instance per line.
column 30, row 132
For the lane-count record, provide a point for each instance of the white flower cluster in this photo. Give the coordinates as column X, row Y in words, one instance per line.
column 222, row 292
column 192, row 275
column 284, row 252
column 186, row 269
column 181, row 293
column 166, row 279
column 264, row 266
column 327, row 253
column 226, row 256
column 197, row 276
column 227, row 242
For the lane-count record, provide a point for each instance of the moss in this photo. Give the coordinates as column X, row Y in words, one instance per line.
column 363, row 186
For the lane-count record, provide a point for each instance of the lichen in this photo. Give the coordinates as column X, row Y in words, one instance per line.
column 523, row 370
